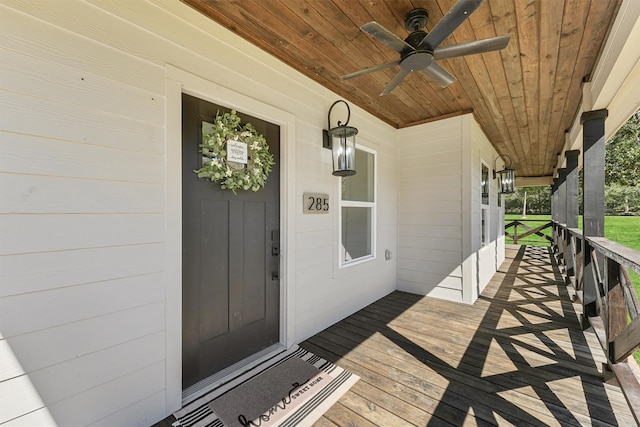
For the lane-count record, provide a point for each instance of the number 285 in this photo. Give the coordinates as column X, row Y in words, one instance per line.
column 318, row 204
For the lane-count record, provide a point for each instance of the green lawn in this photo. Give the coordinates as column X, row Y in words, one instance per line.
column 624, row 230
column 621, row 229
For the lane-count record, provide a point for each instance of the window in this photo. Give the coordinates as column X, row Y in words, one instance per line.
column 485, row 184
column 485, row 227
column 358, row 210
column 484, row 209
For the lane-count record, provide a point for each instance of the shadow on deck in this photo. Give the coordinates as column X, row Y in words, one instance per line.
column 516, row 357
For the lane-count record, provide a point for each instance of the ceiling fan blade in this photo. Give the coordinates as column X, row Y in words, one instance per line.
column 452, row 20
column 394, row 82
column 470, row 48
column 439, row 75
column 380, row 33
column 371, row 70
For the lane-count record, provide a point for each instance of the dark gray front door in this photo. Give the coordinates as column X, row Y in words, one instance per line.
column 230, row 286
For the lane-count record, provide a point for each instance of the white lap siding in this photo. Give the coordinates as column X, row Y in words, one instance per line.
column 439, row 166
column 430, row 209
column 85, row 294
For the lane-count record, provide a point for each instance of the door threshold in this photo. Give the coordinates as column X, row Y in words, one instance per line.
column 228, row 374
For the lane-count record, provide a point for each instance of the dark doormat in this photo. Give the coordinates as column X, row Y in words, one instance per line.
column 293, row 388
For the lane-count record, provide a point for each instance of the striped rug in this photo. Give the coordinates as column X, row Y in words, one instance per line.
column 306, row 409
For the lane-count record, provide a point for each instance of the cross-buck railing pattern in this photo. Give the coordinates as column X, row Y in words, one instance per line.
column 617, row 309
column 533, row 229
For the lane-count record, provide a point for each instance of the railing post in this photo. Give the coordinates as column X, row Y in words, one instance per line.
column 571, row 183
column 593, row 190
column 554, row 215
column 562, row 214
column 554, row 199
column 562, row 195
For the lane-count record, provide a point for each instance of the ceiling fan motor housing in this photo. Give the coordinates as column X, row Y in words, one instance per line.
column 418, row 58
column 416, row 19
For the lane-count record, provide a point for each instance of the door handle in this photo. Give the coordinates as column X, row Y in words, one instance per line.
column 275, row 252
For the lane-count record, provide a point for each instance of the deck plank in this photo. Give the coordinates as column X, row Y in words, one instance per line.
column 340, row 415
column 515, row 357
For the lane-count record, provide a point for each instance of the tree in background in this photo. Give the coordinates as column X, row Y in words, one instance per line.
column 622, row 169
column 622, row 155
column 538, row 200
column 622, row 199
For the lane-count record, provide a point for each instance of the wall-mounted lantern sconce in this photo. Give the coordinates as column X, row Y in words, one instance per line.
column 341, row 140
column 507, row 176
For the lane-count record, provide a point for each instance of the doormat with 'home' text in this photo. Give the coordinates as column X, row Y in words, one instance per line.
column 293, row 389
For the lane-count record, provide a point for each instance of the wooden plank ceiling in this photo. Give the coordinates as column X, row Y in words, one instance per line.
column 525, row 96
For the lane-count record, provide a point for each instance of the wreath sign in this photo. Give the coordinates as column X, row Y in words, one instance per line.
column 230, row 174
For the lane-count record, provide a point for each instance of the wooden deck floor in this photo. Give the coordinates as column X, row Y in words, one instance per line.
column 515, row 357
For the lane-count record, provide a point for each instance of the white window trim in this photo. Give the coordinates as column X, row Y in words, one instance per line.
column 374, row 207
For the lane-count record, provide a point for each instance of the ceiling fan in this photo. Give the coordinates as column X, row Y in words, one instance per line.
column 419, row 51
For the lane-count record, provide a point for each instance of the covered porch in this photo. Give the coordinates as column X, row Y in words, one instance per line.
column 92, row 223
column 517, row 356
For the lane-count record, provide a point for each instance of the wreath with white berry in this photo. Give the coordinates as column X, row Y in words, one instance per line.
column 226, row 134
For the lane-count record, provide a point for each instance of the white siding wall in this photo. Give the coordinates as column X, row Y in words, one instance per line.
column 84, row 291
column 486, row 263
column 430, row 228
column 439, row 210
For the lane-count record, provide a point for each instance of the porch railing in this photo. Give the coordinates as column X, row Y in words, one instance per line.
column 528, row 230
column 615, row 312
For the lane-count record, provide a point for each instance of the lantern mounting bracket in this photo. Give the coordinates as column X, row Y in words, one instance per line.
column 326, row 141
column 501, row 156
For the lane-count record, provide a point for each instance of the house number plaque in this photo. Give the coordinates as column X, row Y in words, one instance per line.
column 315, row 203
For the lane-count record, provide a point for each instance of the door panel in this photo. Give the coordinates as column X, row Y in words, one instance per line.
column 214, row 264
column 254, row 262
column 230, row 293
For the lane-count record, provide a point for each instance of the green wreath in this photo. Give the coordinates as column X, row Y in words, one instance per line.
column 235, row 176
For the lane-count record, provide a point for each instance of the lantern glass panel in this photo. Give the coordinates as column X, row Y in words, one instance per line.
column 507, row 181
column 343, row 147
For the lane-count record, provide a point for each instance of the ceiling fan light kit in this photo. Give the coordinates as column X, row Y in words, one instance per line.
column 419, row 50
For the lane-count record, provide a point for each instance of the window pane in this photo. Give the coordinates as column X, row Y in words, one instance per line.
column 485, row 185
column 356, row 232
column 359, row 187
